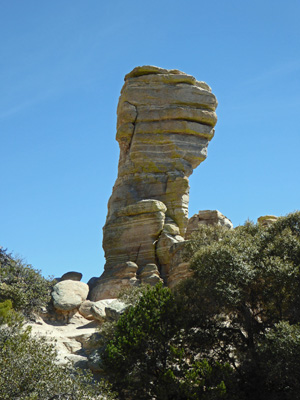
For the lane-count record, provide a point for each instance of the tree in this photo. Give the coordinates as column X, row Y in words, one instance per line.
column 147, row 357
column 230, row 331
column 245, row 285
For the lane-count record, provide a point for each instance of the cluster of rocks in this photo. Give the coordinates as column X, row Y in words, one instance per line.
column 70, row 296
column 73, row 324
column 75, row 341
column 165, row 120
column 73, row 327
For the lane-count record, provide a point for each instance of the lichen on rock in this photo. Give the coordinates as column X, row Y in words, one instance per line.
column 165, row 121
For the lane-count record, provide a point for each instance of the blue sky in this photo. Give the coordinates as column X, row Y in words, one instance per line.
column 62, row 65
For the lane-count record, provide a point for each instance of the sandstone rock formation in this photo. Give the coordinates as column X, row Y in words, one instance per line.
column 178, row 268
column 266, row 220
column 207, row 217
column 165, row 121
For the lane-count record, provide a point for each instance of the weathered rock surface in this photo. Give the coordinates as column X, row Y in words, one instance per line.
column 115, row 309
column 131, row 235
column 71, row 276
column 149, row 275
column 76, row 338
column 113, row 281
column 266, row 220
column 165, row 121
column 68, row 295
column 178, row 266
column 98, row 309
column 73, row 341
column 169, row 236
column 85, row 309
column 207, row 217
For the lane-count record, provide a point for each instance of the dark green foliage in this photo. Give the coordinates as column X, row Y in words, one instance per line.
column 8, row 316
column 28, row 370
column 147, row 357
column 5, row 311
column 279, row 356
column 245, row 286
column 231, row 331
column 24, row 286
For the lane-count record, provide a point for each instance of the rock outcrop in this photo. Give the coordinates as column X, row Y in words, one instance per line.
column 207, row 217
column 179, row 267
column 73, row 341
column 165, row 121
column 266, row 220
column 73, row 328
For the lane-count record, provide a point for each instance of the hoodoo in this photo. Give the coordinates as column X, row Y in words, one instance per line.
column 165, row 120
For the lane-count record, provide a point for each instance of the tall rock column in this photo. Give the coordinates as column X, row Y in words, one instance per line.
column 165, row 121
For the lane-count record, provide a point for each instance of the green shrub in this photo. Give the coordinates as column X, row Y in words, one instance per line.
column 22, row 284
column 230, row 331
column 28, row 369
column 147, row 357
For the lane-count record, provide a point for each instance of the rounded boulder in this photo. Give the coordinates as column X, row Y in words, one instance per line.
column 68, row 294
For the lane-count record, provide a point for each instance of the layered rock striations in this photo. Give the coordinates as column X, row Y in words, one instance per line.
column 207, row 217
column 179, row 267
column 165, row 121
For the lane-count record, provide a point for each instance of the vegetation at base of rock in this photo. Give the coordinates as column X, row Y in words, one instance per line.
column 27, row 289
column 28, row 369
column 146, row 358
column 28, row 365
column 231, row 331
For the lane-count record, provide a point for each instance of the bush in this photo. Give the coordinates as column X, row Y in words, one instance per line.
column 28, row 369
column 230, row 331
column 27, row 289
column 148, row 359
column 245, row 289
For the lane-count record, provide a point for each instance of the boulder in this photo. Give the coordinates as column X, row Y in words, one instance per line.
column 109, row 309
column 85, row 309
column 115, row 309
column 71, row 276
column 149, row 275
column 266, row 220
column 98, row 309
column 92, row 283
column 68, row 295
column 207, row 217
